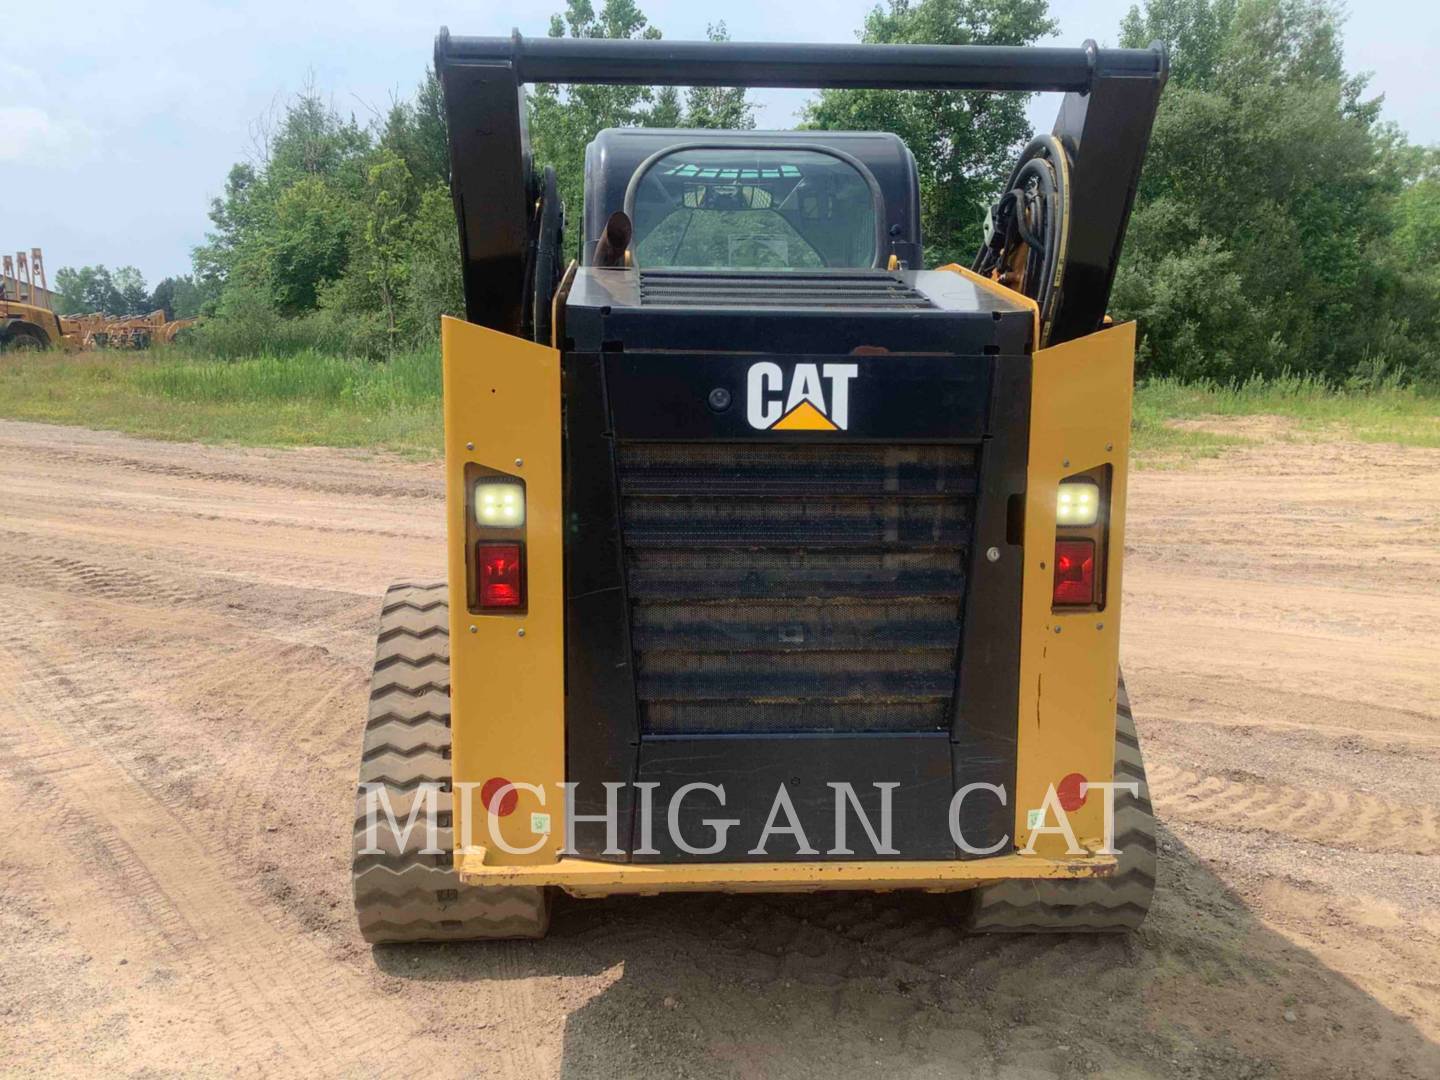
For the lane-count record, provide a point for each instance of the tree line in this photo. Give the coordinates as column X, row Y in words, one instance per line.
column 1280, row 224
column 88, row 289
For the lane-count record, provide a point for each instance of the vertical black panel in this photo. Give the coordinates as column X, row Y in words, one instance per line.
column 600, row 717
column 988, row 689
column 491, row 182
column 1106, row 133
column 623, row 610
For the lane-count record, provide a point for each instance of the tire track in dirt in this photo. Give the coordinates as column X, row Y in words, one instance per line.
column 272, row 995
column 77, row 577
column 268, row 468
column 263, row 988
column 79, row 631
column 182, row 671
column 1339, row 818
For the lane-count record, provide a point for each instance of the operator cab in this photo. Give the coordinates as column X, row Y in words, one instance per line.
column 775, row 241
column 755, row 200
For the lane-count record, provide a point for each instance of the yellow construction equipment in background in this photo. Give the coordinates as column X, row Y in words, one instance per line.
column 28, row 319
column 100, row 331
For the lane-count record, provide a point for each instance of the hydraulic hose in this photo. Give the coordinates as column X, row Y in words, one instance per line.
column 1030, row 229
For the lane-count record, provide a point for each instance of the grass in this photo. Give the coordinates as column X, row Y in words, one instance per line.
column 1391, row 413
column 309, row 399
column 316, row 399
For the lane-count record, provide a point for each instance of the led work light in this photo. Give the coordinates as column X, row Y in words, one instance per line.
column 500, row 504
column 1078, row 504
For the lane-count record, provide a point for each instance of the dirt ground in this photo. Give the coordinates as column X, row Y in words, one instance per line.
column 185, row 634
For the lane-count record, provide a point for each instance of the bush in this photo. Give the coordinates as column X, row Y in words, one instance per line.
column 245, row 324
column 1275, row 215
column 407, row 379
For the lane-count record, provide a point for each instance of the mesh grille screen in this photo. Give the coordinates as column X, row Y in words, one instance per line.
column 795, row 588
column 713, row 289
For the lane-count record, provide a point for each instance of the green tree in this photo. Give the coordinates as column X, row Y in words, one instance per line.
column 305, row 243
column 1194, row 31
column 1417, row 213
column 564, row 119
column 1268, row 179
column 342, row 232
column 1408, row 270
column 964, row 143
column 433, row 266
column 415, row 131
column 725, row 108
column 134, row 296
column 235, row 216
column 178, row 296
column 284, row 225
column 383, row 241
column 313, row 139
column 87, row 289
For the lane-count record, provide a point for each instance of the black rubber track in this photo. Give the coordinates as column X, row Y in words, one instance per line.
column 1100, row 905
column 401, row 894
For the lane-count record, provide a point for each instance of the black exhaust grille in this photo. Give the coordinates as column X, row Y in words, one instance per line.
column 873, row 289
column 785, row 587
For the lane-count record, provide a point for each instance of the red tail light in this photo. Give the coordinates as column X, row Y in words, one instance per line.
column 501, row 575
column 1074, row 572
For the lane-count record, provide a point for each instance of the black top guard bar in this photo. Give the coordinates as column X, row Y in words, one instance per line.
column 811, row 67
column 1104, row 123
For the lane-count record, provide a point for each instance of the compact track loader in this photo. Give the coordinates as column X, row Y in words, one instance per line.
column 777, row 562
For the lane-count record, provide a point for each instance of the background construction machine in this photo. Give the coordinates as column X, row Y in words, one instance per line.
column 749, row 514
column 28, row 319
column 101, row 331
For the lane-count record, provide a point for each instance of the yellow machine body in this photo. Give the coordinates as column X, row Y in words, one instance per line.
column 503, row 413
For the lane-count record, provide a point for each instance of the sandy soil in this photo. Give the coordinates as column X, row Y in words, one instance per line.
column 183, row 659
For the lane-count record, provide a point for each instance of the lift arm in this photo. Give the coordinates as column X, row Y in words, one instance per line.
column 1104, row 123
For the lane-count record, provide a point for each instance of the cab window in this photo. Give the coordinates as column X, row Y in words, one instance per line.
column 733, row 208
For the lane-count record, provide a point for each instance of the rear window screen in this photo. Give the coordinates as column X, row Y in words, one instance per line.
column 754, row 209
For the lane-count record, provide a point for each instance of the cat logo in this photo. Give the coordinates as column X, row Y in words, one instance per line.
column 805, row 405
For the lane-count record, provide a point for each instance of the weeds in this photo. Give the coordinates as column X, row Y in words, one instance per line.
column 320, row 398
column 1385, row 411
column 405, row 380
column 311, row 399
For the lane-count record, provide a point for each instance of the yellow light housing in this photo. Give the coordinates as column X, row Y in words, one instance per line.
column 500, row 504
column 1078, row 504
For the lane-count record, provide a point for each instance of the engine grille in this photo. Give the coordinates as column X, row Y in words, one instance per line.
column 795, row 588
column 868, row 289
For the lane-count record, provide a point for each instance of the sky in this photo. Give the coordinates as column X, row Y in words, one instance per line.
column 119, row 126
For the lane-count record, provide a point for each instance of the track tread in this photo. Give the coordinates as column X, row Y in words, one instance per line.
column 408, row 679
column 1115, row 904
column 402, row 895
column 411, row 650
column 405, row 773
column 407, row 740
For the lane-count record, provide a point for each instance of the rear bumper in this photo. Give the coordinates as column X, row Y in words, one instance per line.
column 587, row 877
